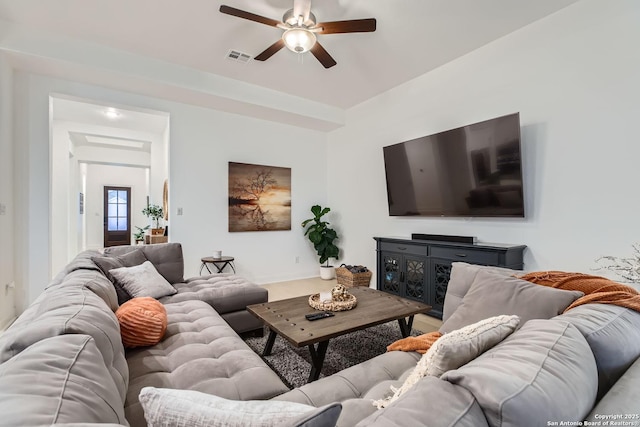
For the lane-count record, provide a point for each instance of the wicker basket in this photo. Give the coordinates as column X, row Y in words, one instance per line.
column 351, row 302
column 349, row 279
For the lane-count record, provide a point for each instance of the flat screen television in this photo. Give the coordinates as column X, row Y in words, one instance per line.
column 471, row 171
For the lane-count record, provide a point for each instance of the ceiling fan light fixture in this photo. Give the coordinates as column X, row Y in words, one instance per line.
column 299, row 40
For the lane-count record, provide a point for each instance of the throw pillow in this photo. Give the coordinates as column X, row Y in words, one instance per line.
column 106, row 263
column 493, row 294
column 460, row 280
column 543, row 372
column 189, row 408
column 143, row 322
column 456, row 349
column 143, row 281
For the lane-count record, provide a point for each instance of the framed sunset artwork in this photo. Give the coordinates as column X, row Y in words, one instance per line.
column 259, row 197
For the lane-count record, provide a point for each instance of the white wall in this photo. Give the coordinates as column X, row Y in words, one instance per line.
column 7, row 296
column 99, row 176
column 574, row 79
column 202, row 142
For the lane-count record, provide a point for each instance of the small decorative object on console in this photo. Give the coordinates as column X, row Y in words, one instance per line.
column 341, row 300
column 353, row 275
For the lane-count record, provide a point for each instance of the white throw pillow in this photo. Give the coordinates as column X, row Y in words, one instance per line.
column 455, row 349
column 143, row 281
column 189, row 408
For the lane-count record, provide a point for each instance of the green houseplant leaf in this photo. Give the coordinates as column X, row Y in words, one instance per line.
column 154, row 212
column 139, row 235
column 321, row 235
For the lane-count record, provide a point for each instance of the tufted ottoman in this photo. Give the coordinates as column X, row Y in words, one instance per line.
column 200, row 352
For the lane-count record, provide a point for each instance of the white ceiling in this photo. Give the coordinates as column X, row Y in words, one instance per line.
column 412, row 37
column 89, row 113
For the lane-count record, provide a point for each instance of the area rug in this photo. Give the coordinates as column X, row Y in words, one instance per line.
column 294, row 364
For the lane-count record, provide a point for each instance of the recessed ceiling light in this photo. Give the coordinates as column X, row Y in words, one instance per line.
column 111, row 113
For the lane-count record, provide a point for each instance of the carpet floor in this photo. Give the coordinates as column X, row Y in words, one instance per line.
column 294, row 364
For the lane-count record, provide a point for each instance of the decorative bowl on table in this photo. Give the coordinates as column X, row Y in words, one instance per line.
column 341, row 300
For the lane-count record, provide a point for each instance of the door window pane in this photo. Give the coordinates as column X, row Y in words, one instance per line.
column 112, row 224
column 117, row 210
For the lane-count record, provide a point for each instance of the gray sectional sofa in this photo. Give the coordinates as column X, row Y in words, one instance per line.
column 571, row 368
column 62, row 361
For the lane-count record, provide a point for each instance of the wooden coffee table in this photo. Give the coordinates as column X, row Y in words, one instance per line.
column 287, row 319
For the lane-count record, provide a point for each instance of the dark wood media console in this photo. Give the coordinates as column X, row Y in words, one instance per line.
column 420, row 269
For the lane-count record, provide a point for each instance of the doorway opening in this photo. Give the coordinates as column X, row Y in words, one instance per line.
column 93, row 147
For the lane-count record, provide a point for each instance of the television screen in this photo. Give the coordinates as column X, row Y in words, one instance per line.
column 471, row 171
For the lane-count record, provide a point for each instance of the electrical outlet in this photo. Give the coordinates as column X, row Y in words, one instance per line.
column 3, row 209
column 179, row 211
column 297, row 259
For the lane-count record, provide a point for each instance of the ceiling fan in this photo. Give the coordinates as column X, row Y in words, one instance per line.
column 300, row 29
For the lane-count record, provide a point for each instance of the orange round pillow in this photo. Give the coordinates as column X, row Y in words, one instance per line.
column 143, row 322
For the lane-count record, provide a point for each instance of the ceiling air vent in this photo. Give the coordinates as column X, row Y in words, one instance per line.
column 238, row 56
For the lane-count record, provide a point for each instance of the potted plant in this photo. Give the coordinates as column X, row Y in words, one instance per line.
column 139, row 235
column 322, row 238
column 154, row 212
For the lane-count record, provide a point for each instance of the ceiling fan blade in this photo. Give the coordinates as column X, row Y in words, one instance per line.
column 248, row 15
column 352, row 26
column 302, row 7
column 323, row 56
column 268, row 52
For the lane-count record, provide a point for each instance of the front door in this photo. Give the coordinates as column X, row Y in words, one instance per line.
column 117, row 216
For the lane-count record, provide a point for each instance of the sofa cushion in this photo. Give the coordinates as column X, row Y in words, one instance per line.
column 106, row 263
column 613, row 333
column 82, row 261
column 61, row 379
column 493, row 294
column 543, row 372
column 358, row 386
column 143, row 322
column 623, row 399
column 199, row 352
column 82, row 271
column 423, row 406
column 143, row 281
column 455, row 349
column 70, row 309
column 226, row 293
column 460, row 280
column 165, row 257
column 188, row 408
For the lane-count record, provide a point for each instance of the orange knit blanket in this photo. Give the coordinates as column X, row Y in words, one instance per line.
column 596, row 290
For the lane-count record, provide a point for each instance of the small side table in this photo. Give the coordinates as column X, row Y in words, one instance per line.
column 219, row 263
